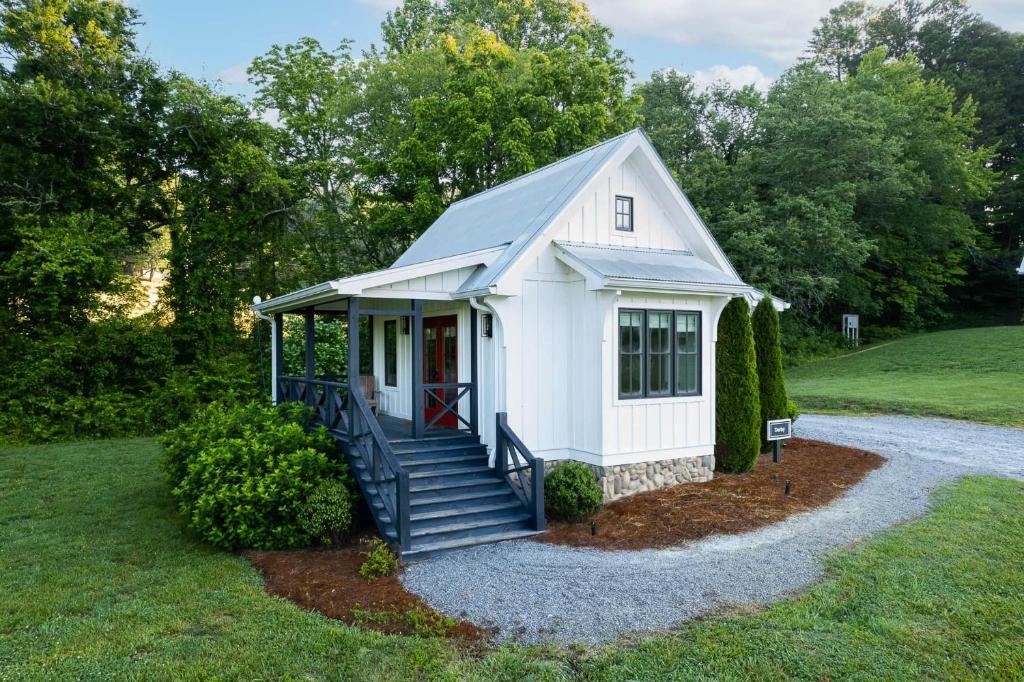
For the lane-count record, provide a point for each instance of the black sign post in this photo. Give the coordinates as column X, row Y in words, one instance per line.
column 779, row 430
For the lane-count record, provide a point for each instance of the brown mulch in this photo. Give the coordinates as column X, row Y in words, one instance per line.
column 327, row 580
column 731, row 503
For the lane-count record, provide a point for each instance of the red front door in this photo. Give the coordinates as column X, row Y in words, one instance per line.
column 440, row 366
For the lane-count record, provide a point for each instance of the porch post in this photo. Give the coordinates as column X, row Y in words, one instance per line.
column 474, row 394
column 310, row 344
column 353, row 358
column 417, row 369
column 276, row 355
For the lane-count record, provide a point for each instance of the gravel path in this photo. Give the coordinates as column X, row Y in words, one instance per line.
column 534, row 592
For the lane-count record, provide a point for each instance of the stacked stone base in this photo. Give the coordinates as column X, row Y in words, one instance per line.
column 623, row 480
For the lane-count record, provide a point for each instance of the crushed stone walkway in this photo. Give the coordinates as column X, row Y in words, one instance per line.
column 534, row 592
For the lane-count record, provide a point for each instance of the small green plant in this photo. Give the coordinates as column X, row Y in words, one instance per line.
column 792, row 411
column 327, row 514
column 571, row 492
column 380, row 561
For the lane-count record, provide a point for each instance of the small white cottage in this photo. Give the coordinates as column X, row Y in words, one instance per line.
column 570, row 313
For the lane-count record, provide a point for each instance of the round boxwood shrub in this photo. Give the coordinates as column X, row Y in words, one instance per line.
column 242, row 474
column 327, row 514
column 738, row 405
column 772, row 383
column 571, row 492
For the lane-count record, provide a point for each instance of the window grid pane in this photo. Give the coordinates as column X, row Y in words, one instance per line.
column 631, row 353
column 687, row 354
column 659, row 373
column 624, row 213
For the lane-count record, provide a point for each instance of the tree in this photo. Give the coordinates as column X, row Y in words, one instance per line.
column 453, row 110
column 738, row 406
column 837, row 43
column 314, row 95
column 771, row 380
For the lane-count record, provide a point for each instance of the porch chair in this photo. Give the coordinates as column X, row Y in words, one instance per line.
column 367, row 386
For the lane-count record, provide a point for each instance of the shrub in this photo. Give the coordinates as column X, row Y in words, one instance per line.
column 571, row 492
column 792, row 411
column 738, row 407
column 770, row 379
column 327, row 514
column 380, row 561
column 242, row 473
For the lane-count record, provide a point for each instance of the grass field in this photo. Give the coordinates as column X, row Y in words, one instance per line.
column 975, row 374
column 100, row 581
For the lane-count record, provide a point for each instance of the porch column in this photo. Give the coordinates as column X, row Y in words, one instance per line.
column 276, row 355
column 417, row 369
column 310, row 344
column 353, row 357
column 474, row 394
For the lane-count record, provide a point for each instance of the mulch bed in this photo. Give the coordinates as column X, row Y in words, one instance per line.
column 731, row 503
column 327, row 580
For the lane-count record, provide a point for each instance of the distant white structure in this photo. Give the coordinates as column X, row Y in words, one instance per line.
column 1020, row 270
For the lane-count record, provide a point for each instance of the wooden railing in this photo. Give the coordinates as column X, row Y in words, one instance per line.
column 347, row 413
column 391, row 480
column 448, row 396
column 515, row 458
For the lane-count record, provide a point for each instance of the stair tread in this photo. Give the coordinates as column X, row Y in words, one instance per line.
column 460, row 511
column 482, row 480
column 422, row 548
column 399, row 451
column 455, row 471
column 457, row 526
column 461, row 497
column 454, row 459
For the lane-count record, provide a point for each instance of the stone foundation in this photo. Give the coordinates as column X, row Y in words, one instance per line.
column 623, row 480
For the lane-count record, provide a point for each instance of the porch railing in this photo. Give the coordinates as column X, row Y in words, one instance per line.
column 525, row 472
column 447, row 396
column 347, row 412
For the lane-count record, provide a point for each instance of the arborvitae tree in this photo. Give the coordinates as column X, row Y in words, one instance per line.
column 738, row 418
column 768, row 345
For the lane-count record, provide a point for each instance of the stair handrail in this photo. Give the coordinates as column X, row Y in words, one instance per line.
column 511, row 450
column 387, row 474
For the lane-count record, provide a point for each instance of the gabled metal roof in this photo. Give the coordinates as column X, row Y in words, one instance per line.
column 512, row 212
column 618, row 265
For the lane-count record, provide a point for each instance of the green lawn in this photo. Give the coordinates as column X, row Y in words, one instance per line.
column 98, row 580
column 975, row 374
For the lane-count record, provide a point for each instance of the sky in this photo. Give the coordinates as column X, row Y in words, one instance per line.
column 739, row 41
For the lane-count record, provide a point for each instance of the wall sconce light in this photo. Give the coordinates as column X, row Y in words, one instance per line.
column 486, row 325
column 405, row 326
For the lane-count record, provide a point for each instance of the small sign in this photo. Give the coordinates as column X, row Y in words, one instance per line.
column 780, row 429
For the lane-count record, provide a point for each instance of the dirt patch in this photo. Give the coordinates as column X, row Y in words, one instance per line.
column 327, row 580
column 732, row 503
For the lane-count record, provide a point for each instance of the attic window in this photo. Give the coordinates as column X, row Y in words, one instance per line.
column 624, row 213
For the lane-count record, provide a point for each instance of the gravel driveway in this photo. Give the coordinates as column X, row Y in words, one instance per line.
column 534, row 592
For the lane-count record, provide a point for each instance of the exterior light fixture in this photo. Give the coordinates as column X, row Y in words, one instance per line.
column 486, row 325
column 405, row 326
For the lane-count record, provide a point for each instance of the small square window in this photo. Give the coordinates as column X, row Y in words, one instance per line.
column 624, row 213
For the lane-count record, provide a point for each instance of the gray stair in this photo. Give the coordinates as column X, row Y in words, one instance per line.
column 455, row 499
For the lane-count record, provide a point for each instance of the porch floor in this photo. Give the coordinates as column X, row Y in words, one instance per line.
column 396, row 428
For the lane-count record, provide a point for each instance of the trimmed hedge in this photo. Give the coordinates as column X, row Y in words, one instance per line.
column 243, row 474
column 571, row 492
column 738, row 409
column 772, row 382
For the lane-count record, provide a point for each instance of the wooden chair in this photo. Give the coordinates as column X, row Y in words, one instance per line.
column 367, row 386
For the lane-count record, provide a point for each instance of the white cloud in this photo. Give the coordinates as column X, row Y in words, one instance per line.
column 234, row 75
column 736, row 77
column 778, row 30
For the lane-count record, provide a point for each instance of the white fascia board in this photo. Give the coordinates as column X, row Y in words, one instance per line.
column 357, row 284
column 654, row 285
column 354, row 286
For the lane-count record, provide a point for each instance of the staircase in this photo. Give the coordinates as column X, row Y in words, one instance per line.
column 455, row 499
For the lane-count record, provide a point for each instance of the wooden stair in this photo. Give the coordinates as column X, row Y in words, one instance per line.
column 455, row 499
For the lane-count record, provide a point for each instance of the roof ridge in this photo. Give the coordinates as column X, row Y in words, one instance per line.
column 557, row 162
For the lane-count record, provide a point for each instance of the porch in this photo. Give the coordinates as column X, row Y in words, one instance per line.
column 416, row 453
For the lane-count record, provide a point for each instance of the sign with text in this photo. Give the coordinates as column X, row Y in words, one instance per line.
column 780, row 429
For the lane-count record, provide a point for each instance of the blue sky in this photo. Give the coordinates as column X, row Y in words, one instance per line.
column 741, row 41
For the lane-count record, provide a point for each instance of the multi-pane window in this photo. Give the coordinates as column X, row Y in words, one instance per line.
column 624, row 213
column 659, row 353
column 391, row 352
column 631, row 353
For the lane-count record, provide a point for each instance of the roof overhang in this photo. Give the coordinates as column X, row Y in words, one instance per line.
column 358, row 285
